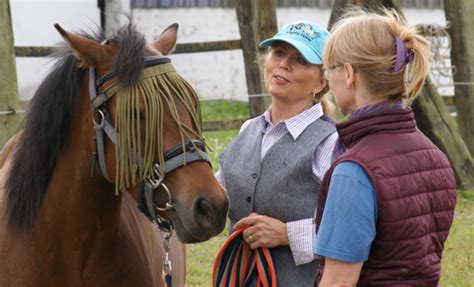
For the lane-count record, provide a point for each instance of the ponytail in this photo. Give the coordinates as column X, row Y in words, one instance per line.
column 390, row 56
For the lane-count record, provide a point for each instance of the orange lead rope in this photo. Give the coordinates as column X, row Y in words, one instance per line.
column 237, row 265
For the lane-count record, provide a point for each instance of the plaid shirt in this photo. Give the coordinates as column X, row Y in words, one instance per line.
column 301, row 233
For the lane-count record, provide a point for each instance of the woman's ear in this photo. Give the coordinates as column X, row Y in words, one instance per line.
column 320, row 85
column 349, row 73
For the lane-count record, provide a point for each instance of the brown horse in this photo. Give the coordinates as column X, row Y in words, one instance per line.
column 111, row 126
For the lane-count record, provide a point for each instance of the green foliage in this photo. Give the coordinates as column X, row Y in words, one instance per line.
column 214, row 110
column 200, row 260
column 458, row 256
column 217, row 141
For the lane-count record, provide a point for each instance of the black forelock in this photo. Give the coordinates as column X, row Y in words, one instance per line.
column 131, row 55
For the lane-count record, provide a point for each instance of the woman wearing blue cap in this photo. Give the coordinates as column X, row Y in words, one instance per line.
column 387, row 203
column 273, row 168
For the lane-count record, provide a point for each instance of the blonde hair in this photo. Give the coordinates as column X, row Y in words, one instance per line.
column 366, row 40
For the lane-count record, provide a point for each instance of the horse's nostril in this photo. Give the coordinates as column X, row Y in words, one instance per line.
column 204, row 211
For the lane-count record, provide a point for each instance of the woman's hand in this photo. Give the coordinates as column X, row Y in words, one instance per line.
column 263, row 231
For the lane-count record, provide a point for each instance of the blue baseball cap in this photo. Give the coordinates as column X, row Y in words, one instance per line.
column 306, row 37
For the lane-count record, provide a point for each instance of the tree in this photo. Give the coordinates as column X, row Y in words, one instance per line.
column 9, row 90
column 460, row 14
column 437, row 124
column 257, row 21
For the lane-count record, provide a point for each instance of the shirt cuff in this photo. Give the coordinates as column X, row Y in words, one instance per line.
column 301, row 235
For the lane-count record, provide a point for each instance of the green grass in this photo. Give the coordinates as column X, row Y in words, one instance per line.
column 200, row 260
column 217, row 141
column 458, row 256
column 215, row 110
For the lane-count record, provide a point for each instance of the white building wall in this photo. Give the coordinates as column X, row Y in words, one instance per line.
column 213, row 74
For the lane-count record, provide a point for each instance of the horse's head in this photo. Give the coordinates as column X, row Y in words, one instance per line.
column 147, row 130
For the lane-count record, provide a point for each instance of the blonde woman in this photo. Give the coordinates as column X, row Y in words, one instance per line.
column 387, row 203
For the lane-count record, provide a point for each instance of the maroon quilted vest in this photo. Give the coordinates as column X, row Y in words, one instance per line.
column 416, row 195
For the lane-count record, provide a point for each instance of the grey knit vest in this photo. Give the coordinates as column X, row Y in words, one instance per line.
column 281, row 185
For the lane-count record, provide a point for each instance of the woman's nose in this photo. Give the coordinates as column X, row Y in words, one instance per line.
column 285, row 63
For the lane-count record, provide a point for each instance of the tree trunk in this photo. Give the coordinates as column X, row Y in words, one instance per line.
column 257, row 21
column 340, row 5
column 337, row 11
column 431, row 114
column 9, row 101
column 437, row 124
column 460, row 14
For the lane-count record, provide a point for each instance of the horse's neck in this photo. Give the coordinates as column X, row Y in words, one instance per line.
column 105, row 229
column 78, row 205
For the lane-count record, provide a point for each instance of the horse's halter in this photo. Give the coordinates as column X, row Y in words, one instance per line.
column 176, row 157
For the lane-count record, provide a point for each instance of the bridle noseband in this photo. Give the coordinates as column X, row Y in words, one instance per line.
column 178, row 156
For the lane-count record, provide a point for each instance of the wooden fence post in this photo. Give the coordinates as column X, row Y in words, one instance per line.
column 9, row 89
column 460, row 14
column 257, row 21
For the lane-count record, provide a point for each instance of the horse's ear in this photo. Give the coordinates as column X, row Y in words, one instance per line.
column 166, row 42
column 87, row 51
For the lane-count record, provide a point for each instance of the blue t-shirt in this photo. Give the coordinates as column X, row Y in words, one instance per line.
column 347, row 227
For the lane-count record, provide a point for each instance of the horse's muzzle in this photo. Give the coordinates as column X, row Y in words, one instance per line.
column 205, row 219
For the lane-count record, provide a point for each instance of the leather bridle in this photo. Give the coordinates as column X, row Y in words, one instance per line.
column 176, row 157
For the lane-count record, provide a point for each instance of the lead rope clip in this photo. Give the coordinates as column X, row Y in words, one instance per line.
column 167, row 263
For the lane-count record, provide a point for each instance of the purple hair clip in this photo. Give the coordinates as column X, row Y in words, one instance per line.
column 403, row 55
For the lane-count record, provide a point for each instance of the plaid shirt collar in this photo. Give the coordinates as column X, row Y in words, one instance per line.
column 296, row 124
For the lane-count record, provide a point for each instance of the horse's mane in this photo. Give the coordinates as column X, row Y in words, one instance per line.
column 47, row 125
